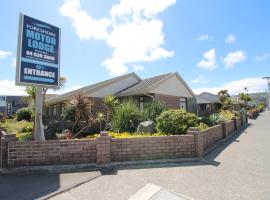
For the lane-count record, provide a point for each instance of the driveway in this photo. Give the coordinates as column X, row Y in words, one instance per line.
column 239, row 169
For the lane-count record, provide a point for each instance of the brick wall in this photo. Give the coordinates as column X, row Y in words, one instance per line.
column 51, row 152
column 229, row 127
column 150, row 148
column 105, row 149
column 4, row 140
column 238, row 123
column 211, row 135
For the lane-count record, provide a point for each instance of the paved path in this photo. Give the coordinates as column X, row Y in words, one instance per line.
column 239, row 169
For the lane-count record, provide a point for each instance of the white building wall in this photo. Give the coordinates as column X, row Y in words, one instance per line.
column 2, row 101
column 172, row 86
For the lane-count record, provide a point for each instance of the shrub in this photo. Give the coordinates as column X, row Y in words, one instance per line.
column 261, row 105
column 27, row 136
column 153, row 109
column 17, row 127
column 126, row 117
column 128, row 135
column 24, row 114
column 212, row 120
column 226, row 115
column 202, row 126
column 175, row 121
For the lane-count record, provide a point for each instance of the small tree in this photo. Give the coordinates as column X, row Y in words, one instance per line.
column 110, row 102
column 100, row 118
column 225, row 99
column 82, row 106
column 246, row 98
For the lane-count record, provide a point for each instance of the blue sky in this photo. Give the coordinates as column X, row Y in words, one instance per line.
column 212, row 44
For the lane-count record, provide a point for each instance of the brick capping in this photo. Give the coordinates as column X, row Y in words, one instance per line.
column 105, row 149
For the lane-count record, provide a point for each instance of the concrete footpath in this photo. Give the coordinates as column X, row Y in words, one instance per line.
column 240, row 169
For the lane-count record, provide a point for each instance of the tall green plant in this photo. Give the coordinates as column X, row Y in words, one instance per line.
column 110, row 102
column 246, row 98
column 225, row 99
column 153, row 109
column 126, row 117
column 100, row 118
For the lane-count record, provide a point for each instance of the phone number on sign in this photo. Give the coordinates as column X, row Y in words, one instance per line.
column 39, row 55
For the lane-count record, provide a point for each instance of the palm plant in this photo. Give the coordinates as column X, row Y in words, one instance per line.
column 82, row 105
column 31, row 95
column 100, row 118
column 110, row 102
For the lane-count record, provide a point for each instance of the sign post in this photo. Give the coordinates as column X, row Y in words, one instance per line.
column 38, row 61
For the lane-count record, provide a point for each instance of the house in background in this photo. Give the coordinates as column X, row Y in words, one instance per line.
column 169, row 88
column 207, row 104
column 10, row 104
column 236, row 103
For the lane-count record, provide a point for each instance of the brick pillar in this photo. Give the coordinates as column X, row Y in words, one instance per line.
column 224, row 129
column 5, row 139
column 198, row 141
column 103, row 148
column 235, row 123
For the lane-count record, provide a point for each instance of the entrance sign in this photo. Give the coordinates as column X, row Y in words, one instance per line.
column 38, row 53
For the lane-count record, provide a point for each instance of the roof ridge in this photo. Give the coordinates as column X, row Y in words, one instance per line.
column 93, row 86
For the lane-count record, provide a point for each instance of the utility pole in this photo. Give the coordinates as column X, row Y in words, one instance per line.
column 267, row 78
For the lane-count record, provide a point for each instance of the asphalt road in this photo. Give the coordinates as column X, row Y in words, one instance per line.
column 240, row 169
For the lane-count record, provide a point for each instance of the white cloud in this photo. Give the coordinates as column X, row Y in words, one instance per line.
column 138, row 68
column 4, row 54
column 13, row 64
column 234, row 57
column 230, row 39
column 209, row 61
column 200, row 80
column 86, row 27
column 8, row 88
column 254, row 84
column 204, row 37
column 262, row 57
column 133, row 31
column 140, row 8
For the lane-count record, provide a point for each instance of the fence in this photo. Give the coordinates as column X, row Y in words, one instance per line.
column 105, row 149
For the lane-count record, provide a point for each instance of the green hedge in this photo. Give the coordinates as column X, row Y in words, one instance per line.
column 175, row 121
column 24, row 114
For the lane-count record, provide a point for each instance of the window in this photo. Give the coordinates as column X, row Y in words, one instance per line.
column 202, row 106
column 183, row 104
